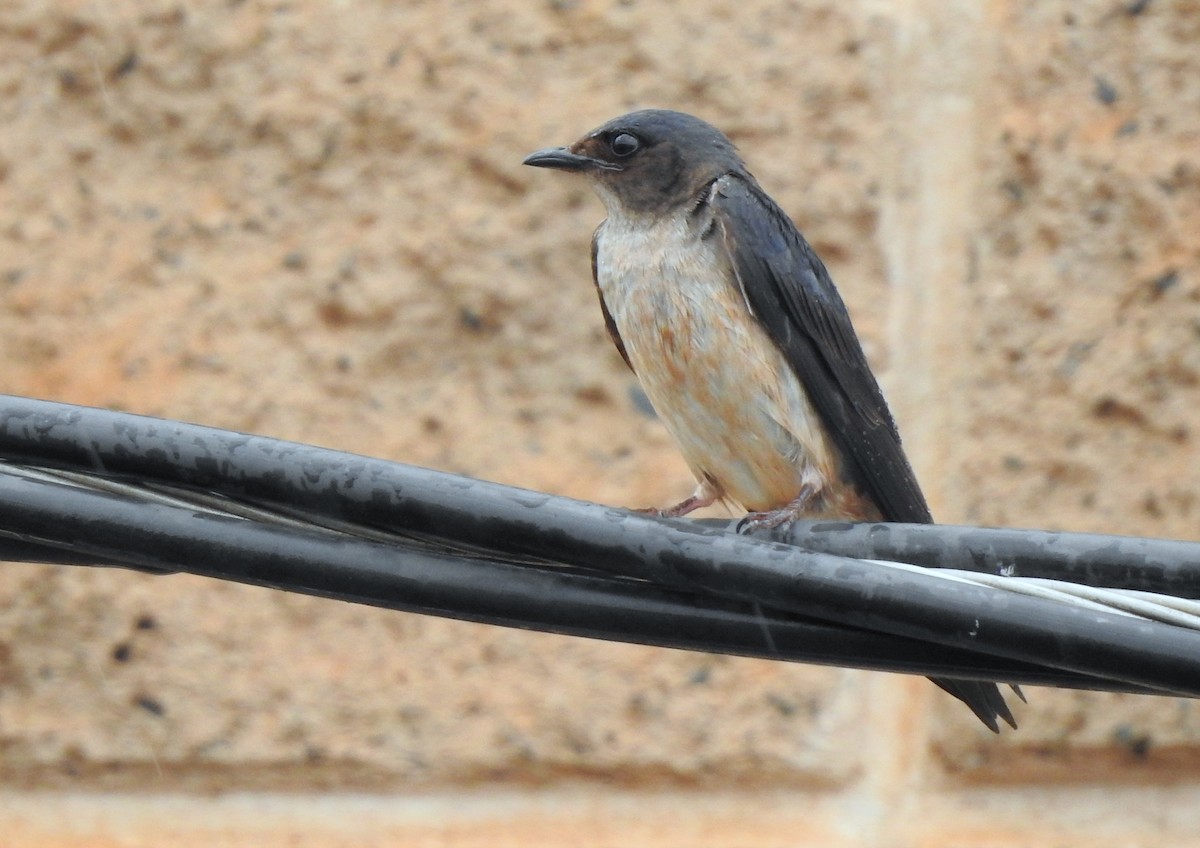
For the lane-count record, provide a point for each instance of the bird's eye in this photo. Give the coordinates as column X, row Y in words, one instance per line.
column 624, row 144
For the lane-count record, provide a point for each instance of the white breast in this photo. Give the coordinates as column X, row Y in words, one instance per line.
column 725, row 392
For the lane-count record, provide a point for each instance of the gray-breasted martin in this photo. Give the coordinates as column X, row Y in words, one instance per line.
column 739, row 337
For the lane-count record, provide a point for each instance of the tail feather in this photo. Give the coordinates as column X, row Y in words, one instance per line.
column 984, row 699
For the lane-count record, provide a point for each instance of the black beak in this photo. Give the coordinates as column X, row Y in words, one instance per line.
column 562, row 159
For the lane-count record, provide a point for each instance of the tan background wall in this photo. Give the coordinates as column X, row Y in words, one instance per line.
column 309, row 220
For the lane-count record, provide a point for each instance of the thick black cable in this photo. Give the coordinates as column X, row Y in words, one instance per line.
column 851, row 593
column 381, row 493
column 154, row 537
column 1113, row 562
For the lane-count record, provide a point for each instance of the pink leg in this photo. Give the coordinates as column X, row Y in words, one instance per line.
column 799, row 507
column 706, row 494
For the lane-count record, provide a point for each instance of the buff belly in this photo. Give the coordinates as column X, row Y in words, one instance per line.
column 727, row 395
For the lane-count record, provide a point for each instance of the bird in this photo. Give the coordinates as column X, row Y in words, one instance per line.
column 739, row 338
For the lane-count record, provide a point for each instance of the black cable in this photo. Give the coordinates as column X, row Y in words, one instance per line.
column 1113, row 562
column 849, row 593
column 392, row 495
column 154, row 537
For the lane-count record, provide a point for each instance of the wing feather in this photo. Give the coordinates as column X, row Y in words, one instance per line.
column 788, row 289
column 613, row 333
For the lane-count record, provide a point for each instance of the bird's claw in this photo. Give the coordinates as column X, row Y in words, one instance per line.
column 697, row 501
column 754, row 521
column 773, row 519
column 652, row 511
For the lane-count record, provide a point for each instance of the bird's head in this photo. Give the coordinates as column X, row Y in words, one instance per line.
column 646, row 162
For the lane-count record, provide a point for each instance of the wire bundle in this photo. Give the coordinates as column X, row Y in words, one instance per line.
column 86, row 486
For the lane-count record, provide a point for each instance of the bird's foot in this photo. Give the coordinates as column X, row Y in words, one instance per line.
column 772, row 519
column 706, row 495
column 680, row 509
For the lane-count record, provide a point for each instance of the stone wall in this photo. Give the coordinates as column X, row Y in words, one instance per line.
column 309, row 220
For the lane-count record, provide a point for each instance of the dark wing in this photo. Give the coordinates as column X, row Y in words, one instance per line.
column 790, row 292
column 608, row 319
